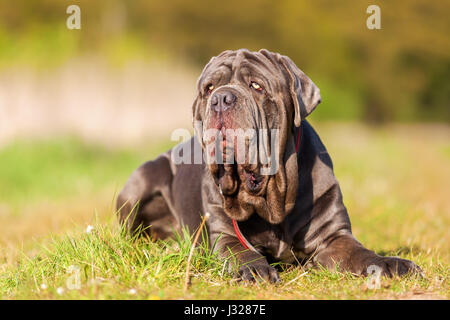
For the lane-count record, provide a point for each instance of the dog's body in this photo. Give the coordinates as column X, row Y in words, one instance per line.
column 295, row 214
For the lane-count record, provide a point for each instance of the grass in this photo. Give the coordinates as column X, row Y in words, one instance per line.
column 394, row 179
column 110, row 265
column 63, row 167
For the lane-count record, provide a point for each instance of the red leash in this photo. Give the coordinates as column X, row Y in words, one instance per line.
column 241, row 238
column 298, row 138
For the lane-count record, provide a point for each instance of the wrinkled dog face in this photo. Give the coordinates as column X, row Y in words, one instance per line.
column 248, row 104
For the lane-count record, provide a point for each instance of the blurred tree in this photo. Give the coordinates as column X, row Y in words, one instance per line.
column 400, row 72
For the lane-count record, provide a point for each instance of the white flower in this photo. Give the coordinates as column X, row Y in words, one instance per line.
column 132, row 291
column 89, row 229
column 43, row 286
column 60, row 290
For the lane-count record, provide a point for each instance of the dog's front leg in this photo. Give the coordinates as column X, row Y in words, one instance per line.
column 245, row 264
column 350, row 255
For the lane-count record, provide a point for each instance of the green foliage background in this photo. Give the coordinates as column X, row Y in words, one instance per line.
column 400, row 72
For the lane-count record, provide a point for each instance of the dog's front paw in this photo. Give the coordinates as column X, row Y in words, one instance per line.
column 392, row 266
column 256, row 272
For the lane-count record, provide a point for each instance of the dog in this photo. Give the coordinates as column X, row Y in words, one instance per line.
column 294, row 213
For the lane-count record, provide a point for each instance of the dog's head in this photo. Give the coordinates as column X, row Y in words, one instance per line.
column 248, row 105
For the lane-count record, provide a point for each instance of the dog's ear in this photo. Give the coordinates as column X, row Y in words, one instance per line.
column 197, row 111
column 304, row 93
column 197, row 118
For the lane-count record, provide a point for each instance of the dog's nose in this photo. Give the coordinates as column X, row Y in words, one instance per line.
column 222, row 101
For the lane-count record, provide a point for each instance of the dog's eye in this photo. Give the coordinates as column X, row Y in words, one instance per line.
column 255, row 86
column 209, row 88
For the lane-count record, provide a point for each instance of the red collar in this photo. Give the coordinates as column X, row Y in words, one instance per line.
column 238, row 232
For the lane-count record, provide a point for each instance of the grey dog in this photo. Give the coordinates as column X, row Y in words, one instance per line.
column 295, row 214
